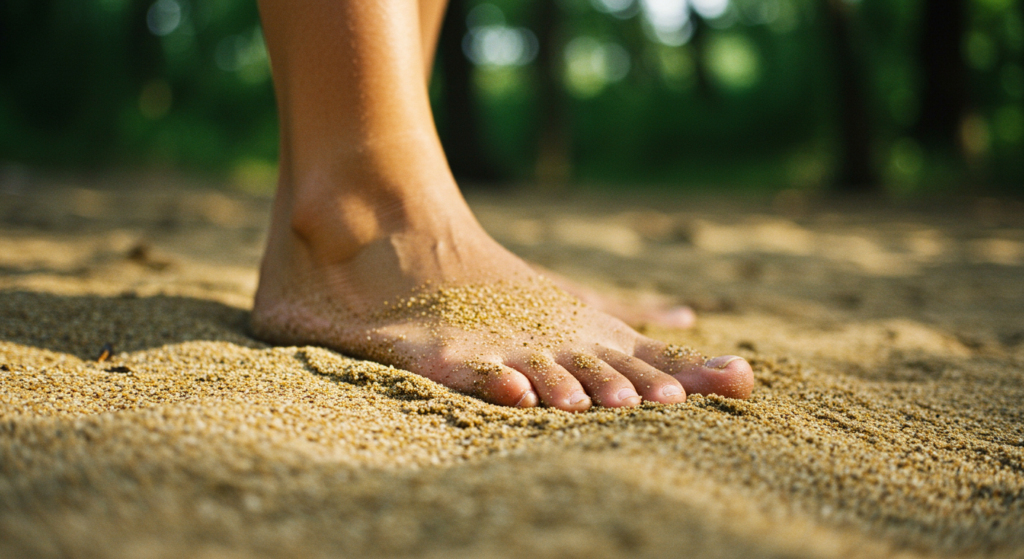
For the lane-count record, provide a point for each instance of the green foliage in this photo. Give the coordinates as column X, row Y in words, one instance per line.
column 90, row 84
column 749, row 97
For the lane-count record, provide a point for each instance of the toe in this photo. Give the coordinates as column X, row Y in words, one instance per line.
column 552, row 383
column 652, row 384
column 727, row 375
column 606, row 386
column 676, row 317
column 495, row 383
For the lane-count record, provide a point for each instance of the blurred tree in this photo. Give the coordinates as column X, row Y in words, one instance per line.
column 699, row 40
column 856, row 172
column 944, row 88
column 553, row 166
column 462, row 138
column 744, row 100
column 62, row 63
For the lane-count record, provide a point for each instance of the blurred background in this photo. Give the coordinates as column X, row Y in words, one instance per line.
column 901, row 98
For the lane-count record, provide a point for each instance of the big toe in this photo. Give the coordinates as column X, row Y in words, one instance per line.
column 725, row 375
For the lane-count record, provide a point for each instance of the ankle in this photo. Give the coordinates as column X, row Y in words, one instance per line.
column 340, row 221
column 334, row 224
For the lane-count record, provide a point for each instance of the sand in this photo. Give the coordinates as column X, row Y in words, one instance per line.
column 887, row 418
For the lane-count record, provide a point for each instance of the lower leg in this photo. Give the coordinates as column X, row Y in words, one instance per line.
column 431, row 16
column 356, row 127
column 360, row 158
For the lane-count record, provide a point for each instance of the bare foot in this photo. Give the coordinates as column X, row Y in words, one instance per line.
column 437, row 296
column 373, row 251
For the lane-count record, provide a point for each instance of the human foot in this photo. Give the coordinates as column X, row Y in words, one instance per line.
column 442, row 299
column 373, row 251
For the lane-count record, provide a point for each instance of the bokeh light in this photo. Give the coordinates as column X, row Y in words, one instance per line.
column 734, row 60
column 592, row 64
column 500, row 45
column 489, row 42
column 975, row 136
column 164, row 16
column 906, row 161
column 244, row 54
column 621, row 9
column 668, row 21
column 710, row 9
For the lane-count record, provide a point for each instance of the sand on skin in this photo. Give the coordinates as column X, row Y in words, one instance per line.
column 886, row 420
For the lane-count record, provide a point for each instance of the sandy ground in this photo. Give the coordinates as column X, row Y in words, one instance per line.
column 887, row 420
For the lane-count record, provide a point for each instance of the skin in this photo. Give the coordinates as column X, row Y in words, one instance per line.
column 367, row 213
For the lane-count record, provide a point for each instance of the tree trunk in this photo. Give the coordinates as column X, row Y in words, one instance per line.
column 944, row 94
column 856, row 172
column 699, row 41
column 554, row 157
column 462, row 140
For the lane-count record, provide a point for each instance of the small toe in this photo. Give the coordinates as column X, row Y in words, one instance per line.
column 606, row 386
column 680, row 317
column 554, row 385
column 652, row 384
column 727, row 375
column 495, row 383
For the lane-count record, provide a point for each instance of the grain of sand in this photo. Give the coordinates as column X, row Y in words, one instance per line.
column 886, row 420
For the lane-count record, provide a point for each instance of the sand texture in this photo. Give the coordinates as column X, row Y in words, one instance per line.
column 887, row 418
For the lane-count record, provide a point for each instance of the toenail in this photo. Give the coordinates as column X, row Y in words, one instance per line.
column 577, row 397
column 528, row 400
column 627, row 393
column 671, row 390
column 721, row 362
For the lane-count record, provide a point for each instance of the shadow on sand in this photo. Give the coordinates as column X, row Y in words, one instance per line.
column 82, row 324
